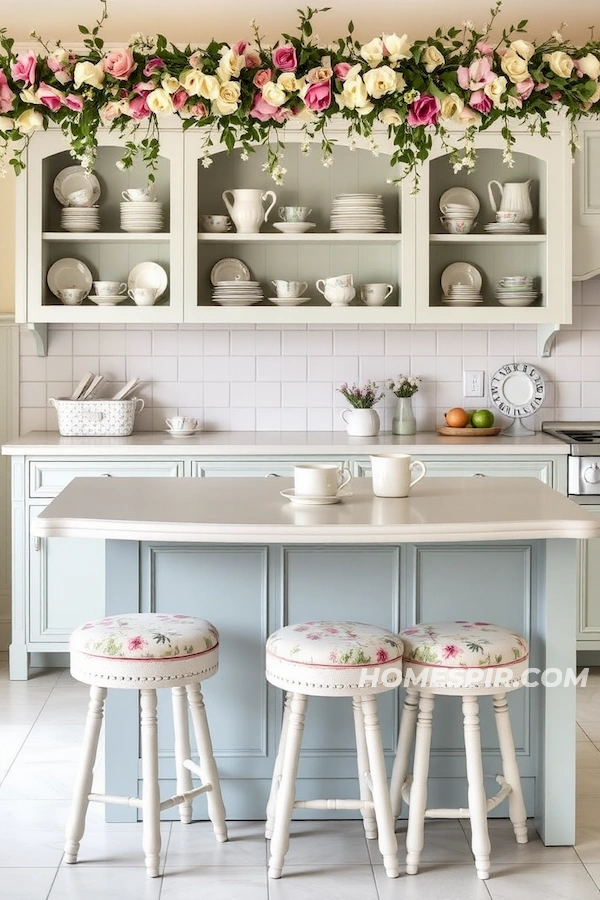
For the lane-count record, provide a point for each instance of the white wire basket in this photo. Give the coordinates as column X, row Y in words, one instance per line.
column 96, row 418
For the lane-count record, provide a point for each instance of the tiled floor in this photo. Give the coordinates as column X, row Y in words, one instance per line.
column 40, row 730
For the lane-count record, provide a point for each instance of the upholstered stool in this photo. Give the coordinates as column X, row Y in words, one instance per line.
column 327, row 659
column 470, row 660
column 146, row 651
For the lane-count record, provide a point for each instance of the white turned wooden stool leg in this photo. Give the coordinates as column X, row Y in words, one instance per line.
column 183, row 751
column 150, row 789
column 480, row 841
column 408, row 723
column 362, row 759
column 278, row 767
column 208, row 767
column 418, row 791
column 85, row 773
column 510, row 769
column 388, row 844
column 284, row 804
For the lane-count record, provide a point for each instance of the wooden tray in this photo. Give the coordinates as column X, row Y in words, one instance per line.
column 467, row 432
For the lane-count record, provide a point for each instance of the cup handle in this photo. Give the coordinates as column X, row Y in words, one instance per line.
column 390, row 288
column 141, row 406
column 227, row 203
column 309, row 212
column 491, row 194
column 416, row 463
column 304, row 286
column 343, row 415
column 122, row 288
column 169, row 423
column 281, row 212
column 273, row 202
column 321, row 290
column 124, row 195
column 130, row 295
column 347, row 477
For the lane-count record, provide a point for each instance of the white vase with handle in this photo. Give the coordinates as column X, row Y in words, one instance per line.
column 514, row 197
column 361, row 422
column 245, row 206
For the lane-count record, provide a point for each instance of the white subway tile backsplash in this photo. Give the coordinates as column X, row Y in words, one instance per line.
column 248, row 378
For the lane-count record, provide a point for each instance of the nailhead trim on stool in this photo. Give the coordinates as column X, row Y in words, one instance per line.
column 467, row 659
column 146, row 651
column 327, row 659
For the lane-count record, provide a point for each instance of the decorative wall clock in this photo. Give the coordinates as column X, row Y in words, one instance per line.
column 517, row 390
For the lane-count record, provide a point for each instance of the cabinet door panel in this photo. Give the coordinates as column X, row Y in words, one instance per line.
column 48, row 477
column 259, row 468
column 589, row 591
column 443, row 467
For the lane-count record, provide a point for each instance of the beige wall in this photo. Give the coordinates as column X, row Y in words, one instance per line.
column 7, row 243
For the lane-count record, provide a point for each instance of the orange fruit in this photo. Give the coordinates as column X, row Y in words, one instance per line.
column 457, row 417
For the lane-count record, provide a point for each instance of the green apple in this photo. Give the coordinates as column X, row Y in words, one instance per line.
column 482, row 418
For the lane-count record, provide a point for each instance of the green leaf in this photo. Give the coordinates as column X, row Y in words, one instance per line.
column 350, row 27
column 83, row 29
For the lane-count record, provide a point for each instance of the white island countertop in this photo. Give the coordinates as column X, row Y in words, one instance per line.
column 277, row 443
column 252, row 510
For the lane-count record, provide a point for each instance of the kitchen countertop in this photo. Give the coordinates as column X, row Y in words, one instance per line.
column 251, row 510
column 277, row 443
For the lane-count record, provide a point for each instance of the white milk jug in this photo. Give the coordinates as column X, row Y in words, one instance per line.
column 246, row 208
column 514, row 197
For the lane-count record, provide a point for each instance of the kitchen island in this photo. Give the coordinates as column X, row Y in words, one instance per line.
column 234, row 551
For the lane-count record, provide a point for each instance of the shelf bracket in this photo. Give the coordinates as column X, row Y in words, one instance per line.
column 546, row 335
column 40, row 335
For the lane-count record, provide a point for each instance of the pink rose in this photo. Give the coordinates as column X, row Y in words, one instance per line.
column 24, row 68
column 144, row 87
column 284, row 58
column 317, row 97
column 424, row 111
column 239, row 47
column 50, row 97
column 251, row 59
column 74, row 102
column 198, row 110
column 60, row 73
column 541, row 86
column 265, row 111
column 6, row 95
column 138, row 108
column 63, row 77
column 476, row 76
column 195, row 59
column 179, row 98
column 341, row 70
column 261, row 78
column 480, row 101
column 484, row 49
column 524, row 88
column 119, row 63
column 152, row 65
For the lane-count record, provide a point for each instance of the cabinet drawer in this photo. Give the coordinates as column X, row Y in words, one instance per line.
column 253, row 468
column 48, row 477
column 467, row 468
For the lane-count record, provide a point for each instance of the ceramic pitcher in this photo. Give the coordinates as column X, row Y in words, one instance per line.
column 514, row 197
column 246, row 208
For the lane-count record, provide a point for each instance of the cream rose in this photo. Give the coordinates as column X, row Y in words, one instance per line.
column 451, row 106
column 390, row 117
column 273, row 93
column 397, row 47
column 88, row 73
column 590, row 66
column 514, row 66
column 159, row 101
column 354, row 94
column 431, row 58
column 228, row 99
column 372, row 53
column 468, row 117
column 380, row 81
column 170, row 84
column 29, row 121
column 560, row 63
column 113, row 109
column 28, row 95
column 495, row 89
column 288, row 82
column 365, row 109
column 230, row 66
column 319, row 74
column 524, row 49
column 197, row 83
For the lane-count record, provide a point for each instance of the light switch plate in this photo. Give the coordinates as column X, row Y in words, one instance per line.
column 474, row 384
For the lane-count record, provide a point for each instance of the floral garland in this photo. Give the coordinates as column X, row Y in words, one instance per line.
column 244, row 94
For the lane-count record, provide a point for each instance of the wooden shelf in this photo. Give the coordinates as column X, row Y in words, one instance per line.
column 327, row 237
column 95, row 237
column 487, row 238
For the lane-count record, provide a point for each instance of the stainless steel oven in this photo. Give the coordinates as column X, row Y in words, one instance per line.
column 584, row 457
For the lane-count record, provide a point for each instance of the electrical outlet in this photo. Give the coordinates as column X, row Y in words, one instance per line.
column 473, row 384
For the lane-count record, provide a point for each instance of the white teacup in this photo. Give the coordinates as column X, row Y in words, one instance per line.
column 338, row 281
column 334, row 294
column 289, row 288
column 139, row 195
column 392, row 474
column 109, row 288
column 508, row 217
column 294, row 213
column 218, row 224
column 320, row 479
column 182, row 423
column 143, row 296
column 71, row 296
column 375, row 294
column 82, row 197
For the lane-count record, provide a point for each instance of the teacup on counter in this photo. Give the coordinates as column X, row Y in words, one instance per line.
column 138, row 195
column 143, row 296
column 285, row 289
column 375, row 294
column 294, row 213
column 182, row 424
column 71, row 296
column 320, row 479
column 392, row 474
column 109, row 288
column 215, row 224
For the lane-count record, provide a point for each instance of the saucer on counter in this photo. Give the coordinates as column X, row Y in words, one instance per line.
column 182, row 432
column 314, row 500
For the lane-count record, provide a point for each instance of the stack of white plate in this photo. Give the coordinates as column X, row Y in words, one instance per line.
column 462, row 295
column 141, row 216
column 515, row 291
column 507, row 228
column 237, row 293
column 358, row 213
column 80, row 218
column 461, row 285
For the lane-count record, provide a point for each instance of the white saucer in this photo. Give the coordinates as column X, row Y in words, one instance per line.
column 107, row 299
column 183, row 433
column 289, row 301
column 293, row 227
column 309, row 500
